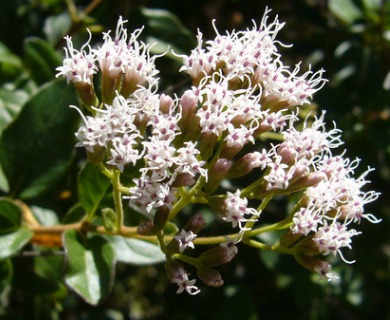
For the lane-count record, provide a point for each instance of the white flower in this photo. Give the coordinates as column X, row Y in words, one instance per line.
column 331, row 238
column 308, row 142
column 279, row 175
column 260, row 159
column 123, row 151
column 306, row 220
column 159, row 154
column 236, row 210
column 185, row 239
column 187, row 162
column 165, row 126
column 200, row 62
column 78, row 66
column 275, row 121
column 180, row 278
column 148, row 194
column 238, row 137
column 118, row 56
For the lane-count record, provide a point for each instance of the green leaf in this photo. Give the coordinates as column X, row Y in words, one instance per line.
column 7, row 57
column 4, row 187
column 11, row 243
column 137, row 252
column 10, row 64
column 56, row 27
column 345, row 10
column 37, row 148
column 168, row 32
column 10, row 216
column 74, row 214
column 372, row 5
column 11, row 101
column 45, row 217
column 41, row 59
column 90, row 269
column 92, row 187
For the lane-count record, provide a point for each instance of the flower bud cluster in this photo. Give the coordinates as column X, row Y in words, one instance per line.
column 182, row 150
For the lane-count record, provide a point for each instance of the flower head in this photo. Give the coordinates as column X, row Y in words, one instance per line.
column 78, row 66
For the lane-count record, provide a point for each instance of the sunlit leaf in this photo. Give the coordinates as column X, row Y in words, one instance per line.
column 137, row 252
column 345, row 10
column 11, row 101
column 90, row 266
column 56, row 27
column 11, row 243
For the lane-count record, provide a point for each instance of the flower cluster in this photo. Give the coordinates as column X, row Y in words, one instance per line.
column 241, row 116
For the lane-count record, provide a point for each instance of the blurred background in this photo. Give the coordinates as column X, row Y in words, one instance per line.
column 350, row 39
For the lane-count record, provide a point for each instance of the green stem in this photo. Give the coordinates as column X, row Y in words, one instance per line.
column 186, row 198
column 187, row 259
column 108, row 173
column 264, row 203
column 117, row 199
column 283, row 224
column 161, row 241
column 257, row 244
column 263, row 246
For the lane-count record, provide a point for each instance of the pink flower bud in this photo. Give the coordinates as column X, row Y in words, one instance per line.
column 166, row 102
column 217, row 256
column 289, row 238
column 189, row 122
column 216, row 174
column 195, row 224
column 210, row 277
column 161, row 217
column 242, row 166
column 182, row 180
column 313, row 264
column 87, row 94
column 308, row 247
column 146, row 228
column 207, row 144
column 188, row 102
column 310, row 180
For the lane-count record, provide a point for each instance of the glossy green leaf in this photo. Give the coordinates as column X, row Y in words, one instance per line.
column 41, row 59
column 90, row 265
column 137, row 252
column 36, row 148
column 10, row 216
column 7, row 57
column 92, row 187
column 372, row 5
column 4, row 187
column 10, row 64
column 45, row 216
column 74, row 214
column 345, row 10
column 57, row 26
column 11, row 243
column 11, row 101
column 168, row 32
